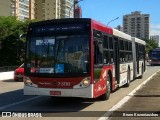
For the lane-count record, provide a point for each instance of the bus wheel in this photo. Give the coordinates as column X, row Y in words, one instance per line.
column 128, row 79
column 106, row 95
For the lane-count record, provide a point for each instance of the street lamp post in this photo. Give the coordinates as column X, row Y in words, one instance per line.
column 112, row 20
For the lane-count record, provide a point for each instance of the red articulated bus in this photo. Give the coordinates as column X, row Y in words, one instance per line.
column 80, row 58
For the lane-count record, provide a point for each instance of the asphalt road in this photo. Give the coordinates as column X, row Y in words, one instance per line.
column 12, row 99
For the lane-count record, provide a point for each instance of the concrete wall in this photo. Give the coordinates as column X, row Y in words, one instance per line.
column 6, row 75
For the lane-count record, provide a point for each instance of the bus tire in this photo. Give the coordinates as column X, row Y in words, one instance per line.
column 106, row 95
column 128, row 78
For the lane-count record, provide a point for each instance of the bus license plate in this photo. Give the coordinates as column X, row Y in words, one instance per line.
column 55, row 92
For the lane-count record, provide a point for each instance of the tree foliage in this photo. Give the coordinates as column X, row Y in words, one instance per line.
column 12, row 47
column 150, row 45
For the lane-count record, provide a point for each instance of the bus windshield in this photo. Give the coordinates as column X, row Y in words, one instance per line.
column 155, row 55
column 58, row 54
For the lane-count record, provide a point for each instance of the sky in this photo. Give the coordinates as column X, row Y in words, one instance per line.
column 107, row 10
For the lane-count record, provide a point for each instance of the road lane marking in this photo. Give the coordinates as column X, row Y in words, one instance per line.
column 16, row 103
column 125, row 99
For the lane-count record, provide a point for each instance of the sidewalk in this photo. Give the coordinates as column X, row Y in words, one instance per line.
column 143, row 105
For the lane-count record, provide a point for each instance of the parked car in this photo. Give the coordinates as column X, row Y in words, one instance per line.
column 18, row 73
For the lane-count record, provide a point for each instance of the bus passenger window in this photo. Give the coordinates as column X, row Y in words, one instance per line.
column 98, row 52
column 111, row 56
column 126, row 56
column 110, row 43
column 106, row 57
column 105, row 42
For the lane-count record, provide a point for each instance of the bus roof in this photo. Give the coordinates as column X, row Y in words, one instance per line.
column 57, row 21
column 121, row 34
column 137, row 40
column 94, row 24
column 102, row 27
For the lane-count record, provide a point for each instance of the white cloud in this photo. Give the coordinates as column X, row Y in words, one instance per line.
column 155, row 29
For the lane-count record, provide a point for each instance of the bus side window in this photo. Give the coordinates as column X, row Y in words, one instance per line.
column 98, row 52
column 98, row 47
column 110, row 43
column 130, row 57
column 106, row 55
column 122, row 54
column 105, row 42
column 126, row 51
column 111, row 49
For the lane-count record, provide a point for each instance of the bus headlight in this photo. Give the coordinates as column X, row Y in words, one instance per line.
column 86, row 81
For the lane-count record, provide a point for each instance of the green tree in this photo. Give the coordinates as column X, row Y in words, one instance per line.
column 12, row 47
column 150, row 45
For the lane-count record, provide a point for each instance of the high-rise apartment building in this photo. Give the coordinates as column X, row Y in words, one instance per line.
column 53, row 9
column 31, row 9
column 19, row 8
column 137, row 25
column 156, row 39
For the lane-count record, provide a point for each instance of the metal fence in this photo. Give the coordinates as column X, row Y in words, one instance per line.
column 7, row 68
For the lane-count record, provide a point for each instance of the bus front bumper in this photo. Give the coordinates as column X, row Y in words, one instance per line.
column 86, row 92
